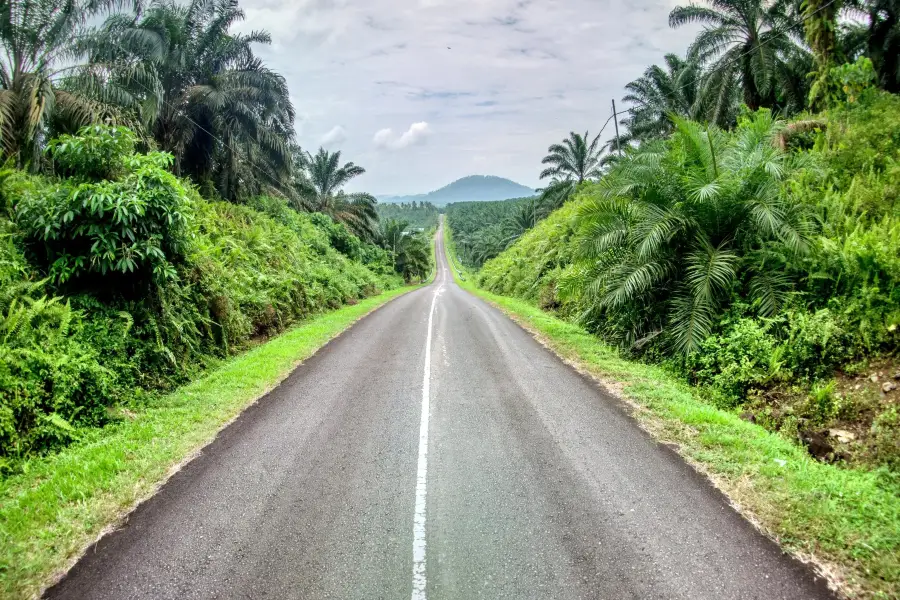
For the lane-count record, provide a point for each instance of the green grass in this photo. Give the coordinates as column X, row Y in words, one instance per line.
column 849, row 520
column 60, row 503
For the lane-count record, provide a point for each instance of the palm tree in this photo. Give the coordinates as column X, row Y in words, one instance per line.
column 319, row 186
column 572, row 162
column 200, row 91
column 679, row 223
column 750, row 42
column 411, row 251
column 878, row 37
column 575, row 158
column 38, row 38
column 660, row 92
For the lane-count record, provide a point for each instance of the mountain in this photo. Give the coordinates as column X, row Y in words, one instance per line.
column 467, row 189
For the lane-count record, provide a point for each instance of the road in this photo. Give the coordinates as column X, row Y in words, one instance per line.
column 436, row 450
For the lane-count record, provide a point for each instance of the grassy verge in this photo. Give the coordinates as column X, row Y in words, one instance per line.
column 61, row 503
column 846, row 520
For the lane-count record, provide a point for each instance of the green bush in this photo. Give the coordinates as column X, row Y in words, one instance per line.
column 743, row 356
column 77, row 341
column 51, row 379
column 135, row 224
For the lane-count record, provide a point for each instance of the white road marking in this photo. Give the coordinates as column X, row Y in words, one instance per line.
column 418, row 577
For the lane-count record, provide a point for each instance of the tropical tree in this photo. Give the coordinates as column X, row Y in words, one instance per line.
column 319, row 181
column 750, row 43
column 678, row 224
column 569, row 163
column 38, row 40
column 660, row 92
column 878, row 36
column 577, row 158
column 200, row 91
column 411, row 251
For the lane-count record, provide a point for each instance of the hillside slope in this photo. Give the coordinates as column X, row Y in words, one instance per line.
column 471, row 188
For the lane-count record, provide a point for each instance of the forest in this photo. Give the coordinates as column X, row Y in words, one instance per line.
column 742, row 231
column 156, row 212
column 482, row 230
column 417, row 215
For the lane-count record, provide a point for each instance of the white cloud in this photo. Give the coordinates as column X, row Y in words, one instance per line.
column 383, row 137
column 336, row 136
column 416, row 134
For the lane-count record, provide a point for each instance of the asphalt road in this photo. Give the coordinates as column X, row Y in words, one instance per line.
column 526, row 481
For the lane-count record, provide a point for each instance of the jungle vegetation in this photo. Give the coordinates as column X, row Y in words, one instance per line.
column 156, row 213
column 746, row 237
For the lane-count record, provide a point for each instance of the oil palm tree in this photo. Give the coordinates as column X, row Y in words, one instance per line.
column 319, row 183
column 224, row 115
column 681, row 221
column 411, row 251
column 752, row 43
column 660, row 92
column 569, row 163
column 878, row 36
column 576, row 158
column 38, row 38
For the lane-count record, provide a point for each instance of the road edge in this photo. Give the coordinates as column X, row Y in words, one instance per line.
column 847, row 580
column 110, row 506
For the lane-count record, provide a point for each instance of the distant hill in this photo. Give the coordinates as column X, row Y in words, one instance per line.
column 473, row 188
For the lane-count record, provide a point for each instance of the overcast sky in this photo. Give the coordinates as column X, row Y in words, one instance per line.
column 422, row 92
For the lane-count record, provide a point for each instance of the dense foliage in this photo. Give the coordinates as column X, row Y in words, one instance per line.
column 483, row 230
column 762, row 54
column 197, row 89
column 758, row 262
column 419, row 215
column 411, row 249
column 121, row 275
column 117, row 280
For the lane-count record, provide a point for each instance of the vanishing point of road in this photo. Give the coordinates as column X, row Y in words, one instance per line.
column 436, row 450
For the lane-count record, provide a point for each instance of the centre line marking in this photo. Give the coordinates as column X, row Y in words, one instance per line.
column 418, row 577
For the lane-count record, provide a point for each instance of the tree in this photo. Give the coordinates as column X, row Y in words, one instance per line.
column 878, row 38
column 751, row 43
column 38, row 38
column 679, row 223
column 659, row 93
column 319, row 182
column 200, row 91
column 575, row 160
column 821, row 26
column 411, row 251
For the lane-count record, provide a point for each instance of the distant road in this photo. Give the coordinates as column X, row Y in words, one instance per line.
column 436, row 450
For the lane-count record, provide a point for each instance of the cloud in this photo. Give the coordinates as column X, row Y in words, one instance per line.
column 499, row 79
column 416, row 134
column 335, row 137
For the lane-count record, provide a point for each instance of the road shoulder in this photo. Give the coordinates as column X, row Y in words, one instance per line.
column 62, row 503
column 842, row 521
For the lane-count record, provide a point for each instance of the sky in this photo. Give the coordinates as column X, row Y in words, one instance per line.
column 423, row 92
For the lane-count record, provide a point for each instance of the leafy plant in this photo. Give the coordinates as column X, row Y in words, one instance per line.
column 319, row 182
column 134, row 224
column 676, row 227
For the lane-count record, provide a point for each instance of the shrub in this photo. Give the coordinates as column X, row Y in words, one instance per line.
column 76, row 341
column 743, row 356
column 133, row 225
column 51, row 382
